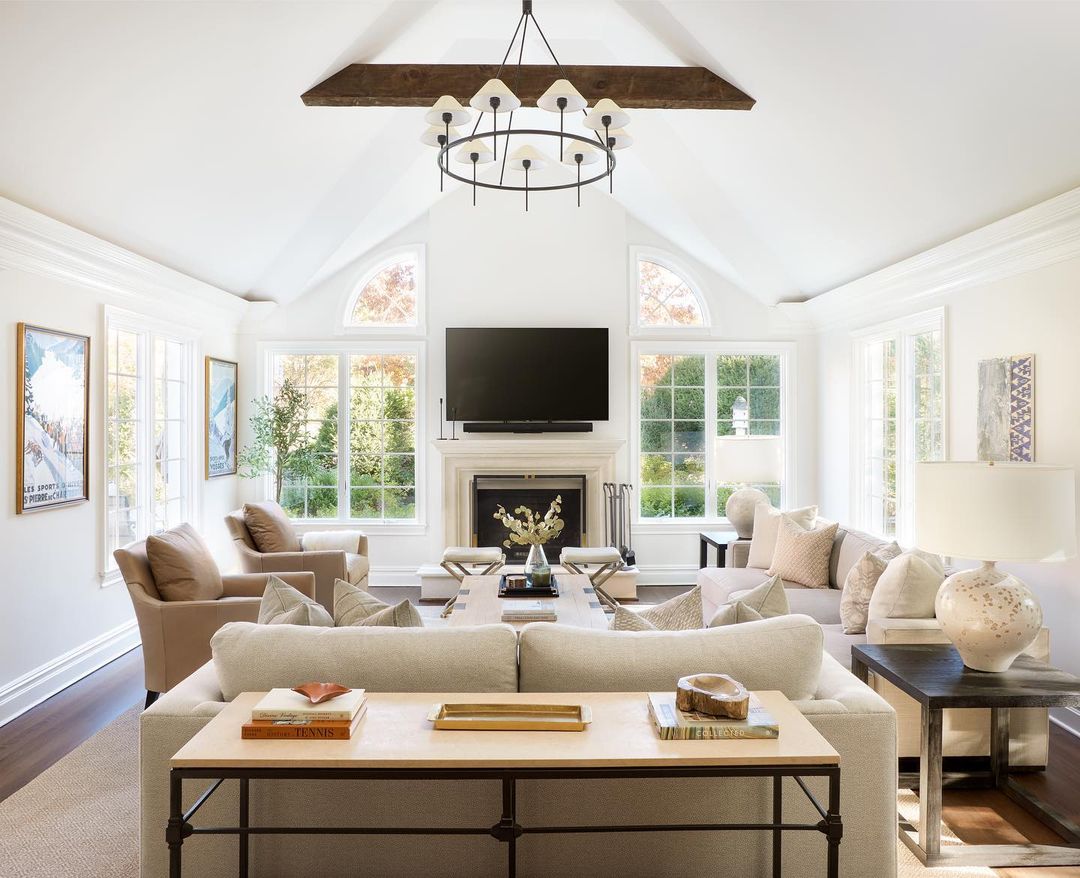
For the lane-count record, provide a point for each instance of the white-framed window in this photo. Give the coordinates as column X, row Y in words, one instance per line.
column 664, row 297
column 149, row 429
column 389, row 296
column 685, row 394
column 899, row 403
column 363, row 404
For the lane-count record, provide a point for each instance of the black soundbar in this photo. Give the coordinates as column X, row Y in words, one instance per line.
column 527, row 426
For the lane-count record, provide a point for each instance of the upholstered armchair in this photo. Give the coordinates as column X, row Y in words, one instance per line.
column 328, row 564
column 176, row 634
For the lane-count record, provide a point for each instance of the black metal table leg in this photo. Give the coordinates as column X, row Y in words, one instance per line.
column 833, row 826
column 174, row 832
column 703, row 555
column 244, row 807
column 777, row 818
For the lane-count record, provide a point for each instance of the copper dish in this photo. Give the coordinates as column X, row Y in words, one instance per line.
column 317, row 693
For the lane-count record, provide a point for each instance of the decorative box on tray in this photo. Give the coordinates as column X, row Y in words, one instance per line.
column 517, row 586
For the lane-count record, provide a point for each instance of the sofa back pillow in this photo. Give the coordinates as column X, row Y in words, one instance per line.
column 270, row 528
column 766, row 528
column 906, row 589
column 782, row 653
column 183, row 568
column 850, row 546
column 802, row 556
column 282, row 604
column 255, row 658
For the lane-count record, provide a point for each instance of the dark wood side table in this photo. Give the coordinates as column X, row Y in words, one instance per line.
column 935, row 676
column 719, row 540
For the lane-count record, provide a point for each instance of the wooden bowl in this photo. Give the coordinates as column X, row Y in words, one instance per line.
column 713, row 694
column 317, row 693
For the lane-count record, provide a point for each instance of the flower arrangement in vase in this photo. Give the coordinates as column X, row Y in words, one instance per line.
column 528, row 528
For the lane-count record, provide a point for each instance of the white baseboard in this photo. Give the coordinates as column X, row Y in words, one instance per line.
column 394, row 575
column 667, row 574
column 1067, row 718
column 35, row 686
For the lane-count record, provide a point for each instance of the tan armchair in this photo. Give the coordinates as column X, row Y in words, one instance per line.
column 176, row 634
column 327, row 565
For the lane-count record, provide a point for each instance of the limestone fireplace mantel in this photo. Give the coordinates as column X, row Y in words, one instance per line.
column 465, row 458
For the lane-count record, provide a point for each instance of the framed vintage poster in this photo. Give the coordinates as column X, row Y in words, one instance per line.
column 221, row 420
column 52, row 423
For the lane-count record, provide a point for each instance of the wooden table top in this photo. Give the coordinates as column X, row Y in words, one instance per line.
column 478, row 602
column 395, row 733
column 934, row 674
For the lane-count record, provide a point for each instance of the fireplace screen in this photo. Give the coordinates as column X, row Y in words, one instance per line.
column 536, row 493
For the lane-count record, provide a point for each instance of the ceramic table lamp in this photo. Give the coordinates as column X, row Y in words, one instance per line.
column 747, row 460
column 993, row 512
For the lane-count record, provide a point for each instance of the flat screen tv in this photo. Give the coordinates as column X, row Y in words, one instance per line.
column 527, row 374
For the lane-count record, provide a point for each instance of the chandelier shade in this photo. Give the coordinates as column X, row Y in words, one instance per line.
column 564, row 90
column 621, row 139
column 431, row 136
column 606, row 108
column 447, row 105
column 589, row 154
column 505, row 101
column 474, row 147
column 530, row 154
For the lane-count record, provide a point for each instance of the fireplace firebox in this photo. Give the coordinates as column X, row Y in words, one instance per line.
column 536, row 493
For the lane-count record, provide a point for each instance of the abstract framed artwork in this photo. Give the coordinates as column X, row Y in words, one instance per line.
column 221, row 420
column 52, row 424
column 1006, row 409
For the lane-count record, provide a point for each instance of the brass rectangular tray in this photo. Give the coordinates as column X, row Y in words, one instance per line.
column 512, row 717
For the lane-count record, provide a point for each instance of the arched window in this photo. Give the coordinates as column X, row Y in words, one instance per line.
column 666, row 299
column 388, row 295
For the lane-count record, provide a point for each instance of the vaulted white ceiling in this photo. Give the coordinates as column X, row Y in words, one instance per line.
column 175, row 129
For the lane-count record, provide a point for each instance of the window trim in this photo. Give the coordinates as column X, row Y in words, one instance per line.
column 787, row 351
column 149, row 328
column 365, row 272
column 902, row 330
column 673, row 264
column 267, row 350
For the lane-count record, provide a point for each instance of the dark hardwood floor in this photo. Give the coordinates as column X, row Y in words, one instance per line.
column 59, row 725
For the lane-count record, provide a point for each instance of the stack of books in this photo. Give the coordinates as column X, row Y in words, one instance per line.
column 519, row 611
column 673, row 724
column 284, row 714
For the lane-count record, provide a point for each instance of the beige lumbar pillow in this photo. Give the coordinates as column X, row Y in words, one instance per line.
column 858, row 589
column 734, row 613
column 907, row 588
column 766, row 529
column 681, row 613
column 183, row 568
column 768, row 599
column 802, row 556
column 355, row 607
column 270, row 528
column 284, row 605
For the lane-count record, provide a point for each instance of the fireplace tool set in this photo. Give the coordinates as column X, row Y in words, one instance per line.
column 617, row 512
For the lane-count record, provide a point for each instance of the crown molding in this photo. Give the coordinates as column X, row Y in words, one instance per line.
column 33, row 242
column 1036, row 237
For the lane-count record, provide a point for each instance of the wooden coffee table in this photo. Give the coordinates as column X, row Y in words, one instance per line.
column 934, row 675
column 478, row 602
column 394, row 740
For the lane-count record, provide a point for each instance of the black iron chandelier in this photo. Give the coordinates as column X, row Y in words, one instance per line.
column 605, row 130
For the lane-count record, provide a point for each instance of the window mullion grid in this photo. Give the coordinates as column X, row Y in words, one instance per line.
column 344, row 435
column 144, row 394
column 712, row 485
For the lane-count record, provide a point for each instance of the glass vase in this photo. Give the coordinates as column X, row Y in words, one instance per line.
column 537, row 570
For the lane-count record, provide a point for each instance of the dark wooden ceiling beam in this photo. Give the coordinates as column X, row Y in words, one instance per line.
column 633, row 88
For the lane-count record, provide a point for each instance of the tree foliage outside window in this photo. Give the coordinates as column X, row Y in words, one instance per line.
column 389, row 297
column 665, row 299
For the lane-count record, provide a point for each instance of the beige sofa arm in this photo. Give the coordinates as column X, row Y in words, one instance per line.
column 738, row 553
column 252, row 585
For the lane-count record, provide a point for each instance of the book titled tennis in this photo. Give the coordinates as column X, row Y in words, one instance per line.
column 284, row 704
column 673, row 724
column 291, row 729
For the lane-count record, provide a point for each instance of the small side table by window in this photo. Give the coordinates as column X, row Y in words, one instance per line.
column 719, row 540
column 935, row 676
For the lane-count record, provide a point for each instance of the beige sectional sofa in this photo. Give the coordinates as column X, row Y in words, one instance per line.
column 966, row 732
column 784, row 653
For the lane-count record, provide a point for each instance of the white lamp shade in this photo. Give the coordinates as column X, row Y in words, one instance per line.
column 561, row 88
column 621, row 138
column 522, row 154
column 447, row 104
column 749, row 460
column 996, row 512
column 434, row 132
column 606, row 107
column 590, row 155
column 494, row 88
column 481, row 149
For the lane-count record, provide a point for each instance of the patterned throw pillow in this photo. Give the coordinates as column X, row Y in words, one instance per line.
column 767, row 600
column 681, row 613
column 767, row 527
column 802, row 556
column 284, row 605
column 355, row 607
column 734, row 613
column 858, row 587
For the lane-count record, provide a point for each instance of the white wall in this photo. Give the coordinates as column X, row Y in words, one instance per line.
column 1037, row 311
column 58, row 621
column 556, row 265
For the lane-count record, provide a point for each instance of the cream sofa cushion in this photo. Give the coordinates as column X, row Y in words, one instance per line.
column 907, row 588
column 766, row 529
column 734, row 613
column 284, row 605
column 255, row 658
column 768, row 599
column 681, row 613
column 782, row 653
column 858, row 589
column 183, row 568
column 802, row 556
column 270, row 528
